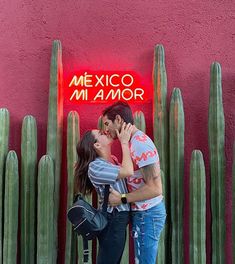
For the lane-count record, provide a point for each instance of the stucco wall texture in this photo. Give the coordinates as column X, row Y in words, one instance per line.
column 121, row 35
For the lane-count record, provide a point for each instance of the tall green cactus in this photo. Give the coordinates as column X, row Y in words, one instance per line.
column 28, row 189
column 4, row 138
column 177, row 174
column 197, row 209
column 160, row 124
column 45, row 235
column 161, row 257
column 11, row 207
column 217, row 164
column 233, row 205
column 55, row 128
column 139, row 120
column 100, row 124
column 73, row 136
column 160, row 116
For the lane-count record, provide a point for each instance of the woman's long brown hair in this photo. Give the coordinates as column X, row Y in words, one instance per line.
column 86, row 154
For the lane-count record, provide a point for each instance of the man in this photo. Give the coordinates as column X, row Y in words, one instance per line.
column 145, row 186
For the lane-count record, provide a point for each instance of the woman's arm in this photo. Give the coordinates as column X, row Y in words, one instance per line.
column 126, row 168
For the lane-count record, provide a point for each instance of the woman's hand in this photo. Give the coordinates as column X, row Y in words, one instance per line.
column 125, row 134
column 126, row 169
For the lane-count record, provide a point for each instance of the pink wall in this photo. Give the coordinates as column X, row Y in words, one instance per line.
column 121, row 35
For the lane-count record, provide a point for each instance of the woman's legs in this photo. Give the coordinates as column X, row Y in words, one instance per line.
column 112, row 239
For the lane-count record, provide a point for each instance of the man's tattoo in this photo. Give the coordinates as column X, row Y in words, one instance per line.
column 151, row 172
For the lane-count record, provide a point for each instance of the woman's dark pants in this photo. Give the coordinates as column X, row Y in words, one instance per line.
column 113, row 237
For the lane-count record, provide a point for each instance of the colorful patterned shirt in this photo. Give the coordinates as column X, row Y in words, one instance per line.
column 143, row 153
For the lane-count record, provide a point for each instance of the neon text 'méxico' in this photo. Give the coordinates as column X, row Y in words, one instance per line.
column 119, row 87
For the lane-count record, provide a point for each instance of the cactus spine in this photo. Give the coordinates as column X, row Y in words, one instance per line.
column 45, row 236
column 197, row 209
column 139, row 120
column 217, row 163
column 160, row 122
column 28, row 189
column 4, row 138
column 176, row 174
column 73, row 136
column 11, row 204
column 55, row 127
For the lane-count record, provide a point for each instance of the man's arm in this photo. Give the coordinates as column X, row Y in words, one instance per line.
column 151, row 188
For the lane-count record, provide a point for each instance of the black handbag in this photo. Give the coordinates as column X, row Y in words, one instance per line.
column 88, row 221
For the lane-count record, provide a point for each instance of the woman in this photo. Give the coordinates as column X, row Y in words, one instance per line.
column 96, row 167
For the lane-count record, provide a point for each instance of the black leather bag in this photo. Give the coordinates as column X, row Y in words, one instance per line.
column 88, row 221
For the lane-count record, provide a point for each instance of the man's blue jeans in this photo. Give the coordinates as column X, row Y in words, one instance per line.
column 146, row 229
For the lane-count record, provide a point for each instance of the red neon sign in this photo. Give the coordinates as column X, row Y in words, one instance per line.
column 100, row 87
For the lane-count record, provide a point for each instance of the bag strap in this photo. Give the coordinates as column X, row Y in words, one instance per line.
column 104, row 209
column 85, row 250
column 106, row 198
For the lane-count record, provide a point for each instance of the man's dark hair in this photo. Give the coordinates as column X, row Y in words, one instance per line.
column 119, row 108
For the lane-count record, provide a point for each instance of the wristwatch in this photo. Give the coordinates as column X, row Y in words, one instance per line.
column 123, row 198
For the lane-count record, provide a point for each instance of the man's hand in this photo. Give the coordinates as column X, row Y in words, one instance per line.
column 114, row 197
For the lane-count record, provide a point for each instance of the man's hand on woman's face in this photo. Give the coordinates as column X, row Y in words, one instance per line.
column 114, row 197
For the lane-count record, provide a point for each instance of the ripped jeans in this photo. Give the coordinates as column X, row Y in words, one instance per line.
column 146, row 229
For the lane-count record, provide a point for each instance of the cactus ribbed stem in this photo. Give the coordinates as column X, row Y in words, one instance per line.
column 4, row 139
column 160, row 117
column 55, row 128
column 125, row 255
column 80, row 249
column 11, row 206
column 160, row 125
column 177, row 174
column 139, row 120
column 100, row 124
column 28, row 189
column 161, row 257
column 73, row 136
column 197, row 209
column 217, row 164
column 80, row 241
column 45, row 236
column 233, row 204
